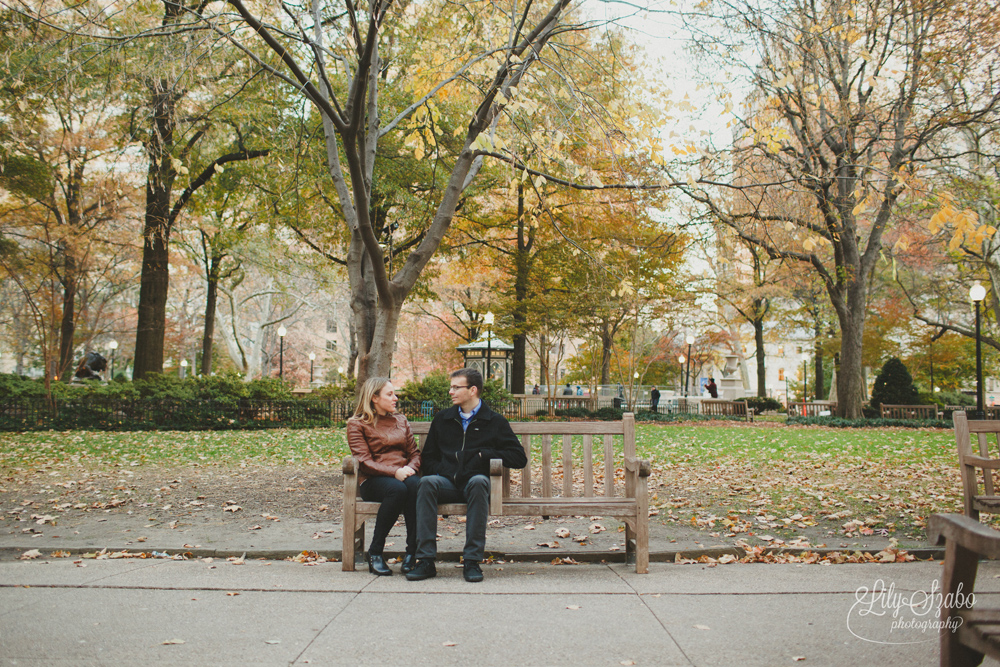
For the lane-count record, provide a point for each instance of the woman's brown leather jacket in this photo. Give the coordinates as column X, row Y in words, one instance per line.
column 384, row 447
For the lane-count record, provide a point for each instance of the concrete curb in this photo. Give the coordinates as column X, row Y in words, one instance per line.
column 14, row 553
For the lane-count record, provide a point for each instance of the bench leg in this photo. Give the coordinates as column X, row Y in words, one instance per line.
column 359, row 541
column 630, row 544
column 960, row 567
column 352, row 546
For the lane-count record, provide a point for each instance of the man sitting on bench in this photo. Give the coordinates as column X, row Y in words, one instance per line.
column 455, row 463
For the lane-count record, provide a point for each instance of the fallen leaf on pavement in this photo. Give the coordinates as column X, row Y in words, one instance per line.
column 562, row 532
column 28, row 555
column 174, row 641
column 702, row 627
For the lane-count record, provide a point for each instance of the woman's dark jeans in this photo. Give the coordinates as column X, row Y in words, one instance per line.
column 396, row 498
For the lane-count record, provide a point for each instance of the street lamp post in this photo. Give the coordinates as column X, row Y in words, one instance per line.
column 687, row 376
column 184, row 367
column 312, row 359
column 113, row 345
column 681, row 359
column 488, row 321
column 805, row 378
column 977, row 293
column 281, row 352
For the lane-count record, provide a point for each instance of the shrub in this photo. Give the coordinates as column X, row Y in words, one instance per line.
column 582, row 413
column 878, row 422
column 434, row 388
column 894, row 385
column 761, row 404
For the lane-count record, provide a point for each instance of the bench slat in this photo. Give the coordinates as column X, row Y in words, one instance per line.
column 526, row 471
column 567, row 461
column 588, row 465
column 569, row 507
column 547, row 465
column 609, row 466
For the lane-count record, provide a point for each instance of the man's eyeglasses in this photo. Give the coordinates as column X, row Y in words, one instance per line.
column 456, row 387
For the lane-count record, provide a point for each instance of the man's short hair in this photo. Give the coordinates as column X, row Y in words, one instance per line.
column 473, row 378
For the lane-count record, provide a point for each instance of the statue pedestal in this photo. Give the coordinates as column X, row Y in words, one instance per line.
column 731, row 389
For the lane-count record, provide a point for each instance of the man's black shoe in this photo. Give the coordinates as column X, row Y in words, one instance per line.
column 424, row 569
column 472, row 572
column 409, row 561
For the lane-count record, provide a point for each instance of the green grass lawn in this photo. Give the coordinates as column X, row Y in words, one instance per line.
column 733, row 480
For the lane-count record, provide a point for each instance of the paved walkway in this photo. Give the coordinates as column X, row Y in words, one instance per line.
column 195, row 612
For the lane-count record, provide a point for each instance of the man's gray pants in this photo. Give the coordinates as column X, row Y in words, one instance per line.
column 435, row 489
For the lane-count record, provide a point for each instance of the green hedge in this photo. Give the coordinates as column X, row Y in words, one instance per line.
column 867, row 422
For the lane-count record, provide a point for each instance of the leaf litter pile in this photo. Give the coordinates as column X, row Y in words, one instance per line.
column 801, row 487
column 753, row 486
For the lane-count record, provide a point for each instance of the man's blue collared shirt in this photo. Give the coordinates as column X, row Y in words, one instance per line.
column 466, row 418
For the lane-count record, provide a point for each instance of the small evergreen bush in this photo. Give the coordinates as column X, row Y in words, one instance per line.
column 894, row 386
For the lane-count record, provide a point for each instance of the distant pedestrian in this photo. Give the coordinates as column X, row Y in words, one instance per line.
column 654, row 399
column 713, row 389
column 579, row 390
column 536, row 390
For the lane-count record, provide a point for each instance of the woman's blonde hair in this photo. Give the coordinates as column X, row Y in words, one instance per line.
column 369, row 390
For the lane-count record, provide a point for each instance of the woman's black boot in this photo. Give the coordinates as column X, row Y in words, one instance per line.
column 376, row 565
column 409, row 561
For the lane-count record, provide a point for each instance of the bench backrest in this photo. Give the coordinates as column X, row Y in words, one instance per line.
column 909, row 411
column 986, row 432
column 718, row 406
column 595, row 450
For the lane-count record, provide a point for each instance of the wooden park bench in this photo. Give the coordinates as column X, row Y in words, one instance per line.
column 720, row 408
column 972, row 460
column 610, row 455
column 978, row 628
column 909, row 411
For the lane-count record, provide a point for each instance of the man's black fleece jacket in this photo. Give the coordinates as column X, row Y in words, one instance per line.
column 458, row 455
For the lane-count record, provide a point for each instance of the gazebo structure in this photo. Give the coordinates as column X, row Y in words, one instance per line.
column 489, row 348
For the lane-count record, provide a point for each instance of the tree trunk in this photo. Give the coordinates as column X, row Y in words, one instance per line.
column 522, row 271
column 155, row 279
column 153, row 285
column 758, row 337
column 607, row 342
column 850, row 381
column 820, row 382
column 211, row 299
column 67, row 327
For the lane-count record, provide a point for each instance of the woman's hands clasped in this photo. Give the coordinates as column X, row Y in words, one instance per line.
column 404, row 472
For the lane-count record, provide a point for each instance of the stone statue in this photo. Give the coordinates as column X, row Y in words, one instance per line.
column 91, row 366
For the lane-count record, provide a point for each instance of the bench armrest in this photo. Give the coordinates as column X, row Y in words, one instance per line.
column 966, row 532
column 349, row 466
column 641, row 467
column 980, row 462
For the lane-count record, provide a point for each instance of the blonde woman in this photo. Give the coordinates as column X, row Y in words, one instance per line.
column 383, row 444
